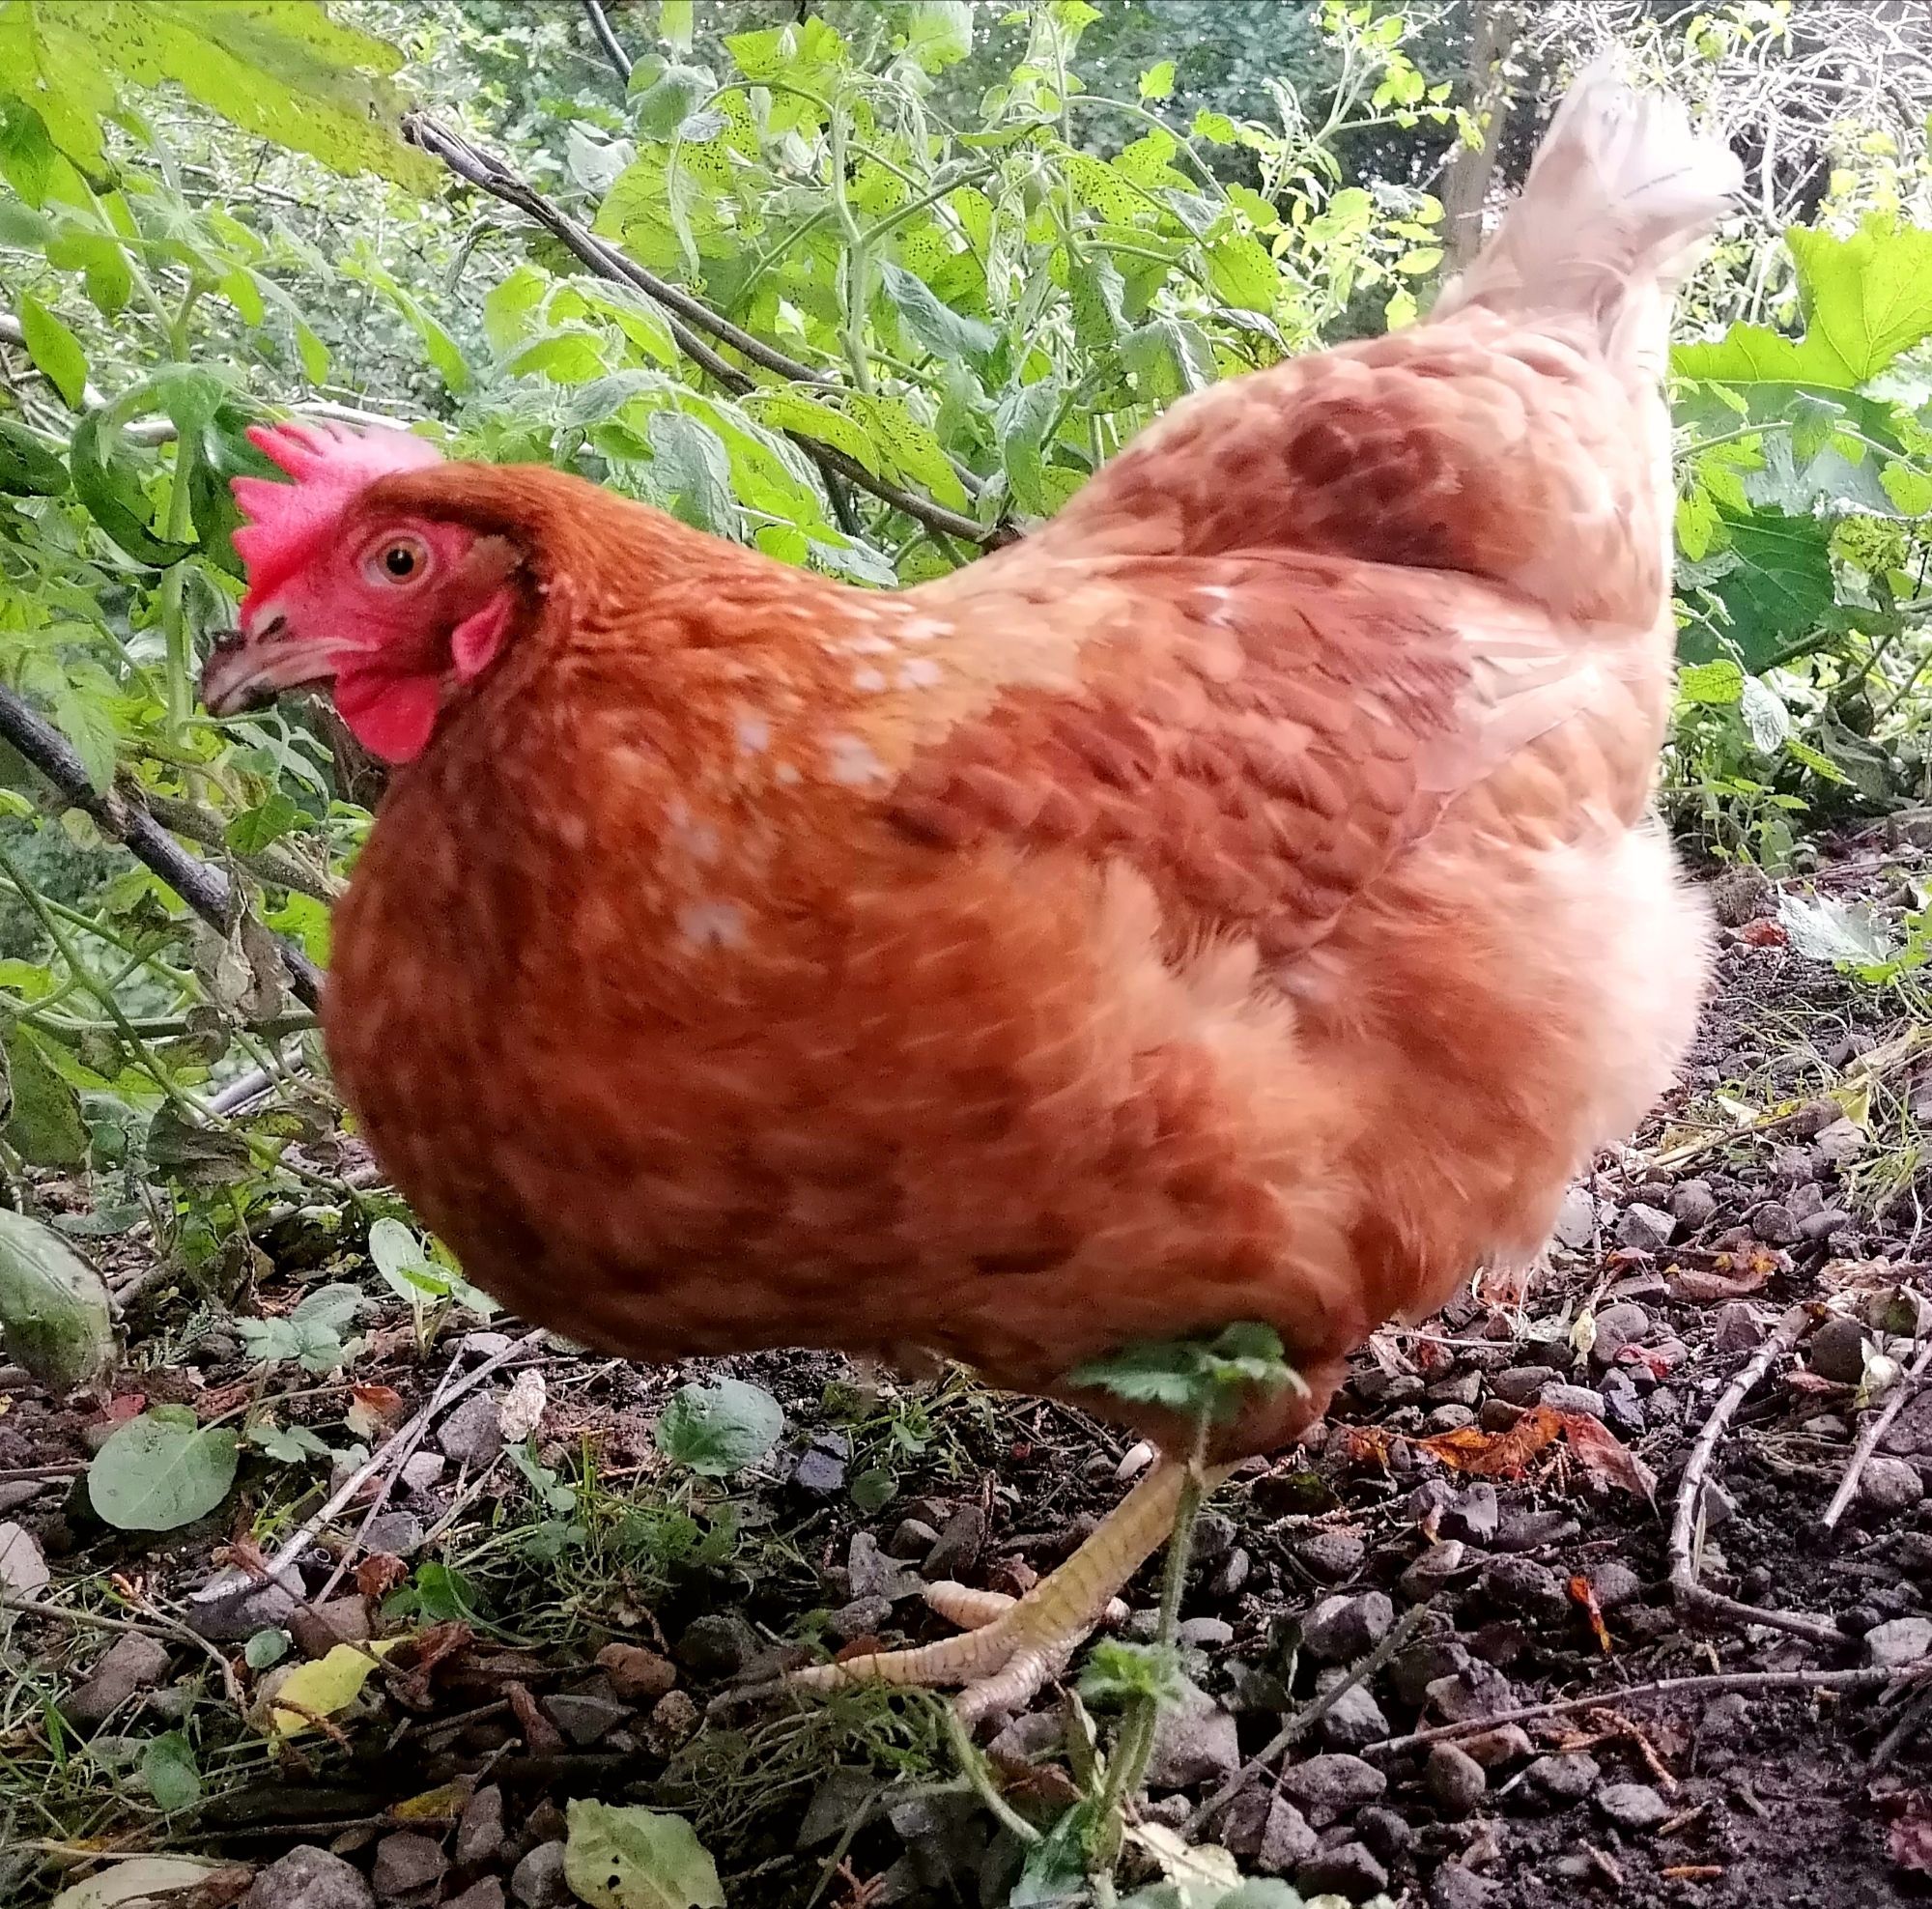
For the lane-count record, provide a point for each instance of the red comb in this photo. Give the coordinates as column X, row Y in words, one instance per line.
column 289, row 523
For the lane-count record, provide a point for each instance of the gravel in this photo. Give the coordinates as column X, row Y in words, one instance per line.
column 1636, row 1809
column 309, row 1878
column 1327, row 1787
column 1455, row 1781
column 1341, row 1628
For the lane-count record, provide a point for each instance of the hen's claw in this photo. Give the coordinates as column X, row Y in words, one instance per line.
column 1011, row 1653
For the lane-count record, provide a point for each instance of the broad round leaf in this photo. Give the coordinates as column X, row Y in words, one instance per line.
column 161, row 1470
column 719, row 1429
column 634, row 1858
column 53, row 1306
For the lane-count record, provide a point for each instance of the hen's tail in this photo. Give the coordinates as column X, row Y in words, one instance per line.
column 1620, row 197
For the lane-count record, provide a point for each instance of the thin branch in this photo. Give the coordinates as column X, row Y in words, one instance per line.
column 1690, row 1594
column 1868, row 1444
column 605, row 38
column 157, row 1626
column 1668, row 1687
column 124, row 816
column 489, row 174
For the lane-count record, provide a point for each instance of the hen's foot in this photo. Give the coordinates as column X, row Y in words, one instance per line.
column 1016, row 1646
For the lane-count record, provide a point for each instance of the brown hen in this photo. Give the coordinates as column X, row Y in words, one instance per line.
column 1234, row 902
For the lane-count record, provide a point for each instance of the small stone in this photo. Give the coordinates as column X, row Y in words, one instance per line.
column 1436, row 1568
column 1837, row 1350
column 842, row 1792
column 673, row 1723
column 1195, row 1742
column 1332, row 1554
column 1499, row 1414
column 1348, row 1870
column 957, row 1548
column 1693, row 1206
column 638, row 1675
column 479, row 1830
column 537, row 1881
column 473, row 1435
column 1615, row 1584
column 1032, row 1734
column 1214, row 1537
column 1645, row 1229
column 1387, row 1833
column 1741, row 895
column 1566, row 1778
column 1230, row 1574
column 1478, row 1690
column 408, row 1866
column 1448, row 1418
column 395, row 1533
column 1472, row 1516
column 1772, row 1223
column 585, row 1719
column 346, row 1618
column 1355, row 1721
column 1624, row 1323
column 863, row 1617
column 309, row 1878
column 423, row 1469
column 1460, row 1388
column 1890, row 1484
column 818, row 1472
column 1341, row 1628
column 1326, row 1787
column 1737, row 1327
column 1583, row 1399
column 1724, row 1718
column 488, row 1894
column 1508, row 1742
column 1899, row 1640
column 1206, row 1633
column 1576, row 1220
column 1455, row 1781
column 1841, row 1143
column 1532, row 1531
column 1520, row 1385
column 1521, row 1583
column 1824, row 1224
column 1287, row 1840
column 912, row 1538
column 870, row 1573
column 1458, row 1888
column 232, row 1607
column 1636, row 1809
column 1415, row 1669
column 716, row 1645
column 133, row 1664
column 1623, row 1409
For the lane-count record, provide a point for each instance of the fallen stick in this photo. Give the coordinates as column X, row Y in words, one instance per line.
column 1689, row 1593
column 1867, row 1443
column 1716, row 1685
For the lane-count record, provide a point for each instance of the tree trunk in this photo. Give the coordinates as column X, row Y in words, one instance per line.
column 1473, row 169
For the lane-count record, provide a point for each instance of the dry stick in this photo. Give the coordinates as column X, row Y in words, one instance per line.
column 1867, row 1443
column 1690, row 1594
column 157, row 1626
column 1668, row 1687
column 489, row 174
column 1306, row 1718
column 1918, row 1710
column 124, row 816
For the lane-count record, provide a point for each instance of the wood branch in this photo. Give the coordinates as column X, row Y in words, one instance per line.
column 605, row 38
column 124, row 816
column 1473, row 169
column 685, row 317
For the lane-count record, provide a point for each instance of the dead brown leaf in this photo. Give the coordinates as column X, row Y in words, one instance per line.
column 1911, row 1839
column 1605, row 1457
column 1497, row 1454
column 379, row 1573
column 541, row 1737
column 1585, row 1594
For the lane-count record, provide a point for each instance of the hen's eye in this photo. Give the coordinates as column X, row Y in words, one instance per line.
column 398, row 560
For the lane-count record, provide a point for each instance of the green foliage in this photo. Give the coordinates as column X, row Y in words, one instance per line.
column 54, row 1318
column 160, row 1471
column 628, row 1857
column 720, row 1428
column 1199, row 1378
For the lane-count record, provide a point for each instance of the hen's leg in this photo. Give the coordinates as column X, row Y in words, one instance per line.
column 1005, row 1661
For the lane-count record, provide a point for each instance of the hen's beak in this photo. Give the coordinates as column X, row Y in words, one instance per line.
column 249, row 669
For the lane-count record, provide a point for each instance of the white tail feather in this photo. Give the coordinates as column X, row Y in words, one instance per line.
column 1618, row 202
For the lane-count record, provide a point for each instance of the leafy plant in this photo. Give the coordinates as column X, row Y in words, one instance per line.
column 720, row 1428
column 312, row 1331
column 161, row 1469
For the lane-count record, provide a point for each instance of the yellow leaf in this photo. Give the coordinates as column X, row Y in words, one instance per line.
column 320, row 1689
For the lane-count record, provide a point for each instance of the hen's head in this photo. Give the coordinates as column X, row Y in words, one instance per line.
column 349, row 583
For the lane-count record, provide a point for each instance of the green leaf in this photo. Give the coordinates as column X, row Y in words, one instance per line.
column 269, row 821
column 27, row 155
column 1823, row 929
column 322, row 1688
column 1779, row 586
column 793, row 409
column 662, row 105
column 171, row 1772
column 27, row 467
column 674, row 25
column 54, row 350
column 1157, row 82
column 874, row 1488
column 1195, row 1377
column 1116, row 1674
column 907, row 447
column 720, row 1428
column 161, row 1470
column 939, row 32
column 54, row 1315
column 107, row 482
column 628, row 1857
column 945, row 332
column 1719, row 682
column 266, row 1648
column 1243, row 274
column 43, row 1124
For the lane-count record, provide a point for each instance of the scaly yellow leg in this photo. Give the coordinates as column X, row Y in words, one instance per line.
column 1004, row 1662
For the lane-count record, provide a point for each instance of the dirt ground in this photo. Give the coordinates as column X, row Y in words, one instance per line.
column 595, row 1610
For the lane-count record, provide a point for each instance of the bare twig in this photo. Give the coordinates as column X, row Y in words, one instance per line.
column 1916, row 1713
column 1306, row 1718
column 124, row 816
column 156, row 1626
column 1868, row 1442
column 1715, row 1685
column 489, row 174
column 605, row 38
column 1690, row 1594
